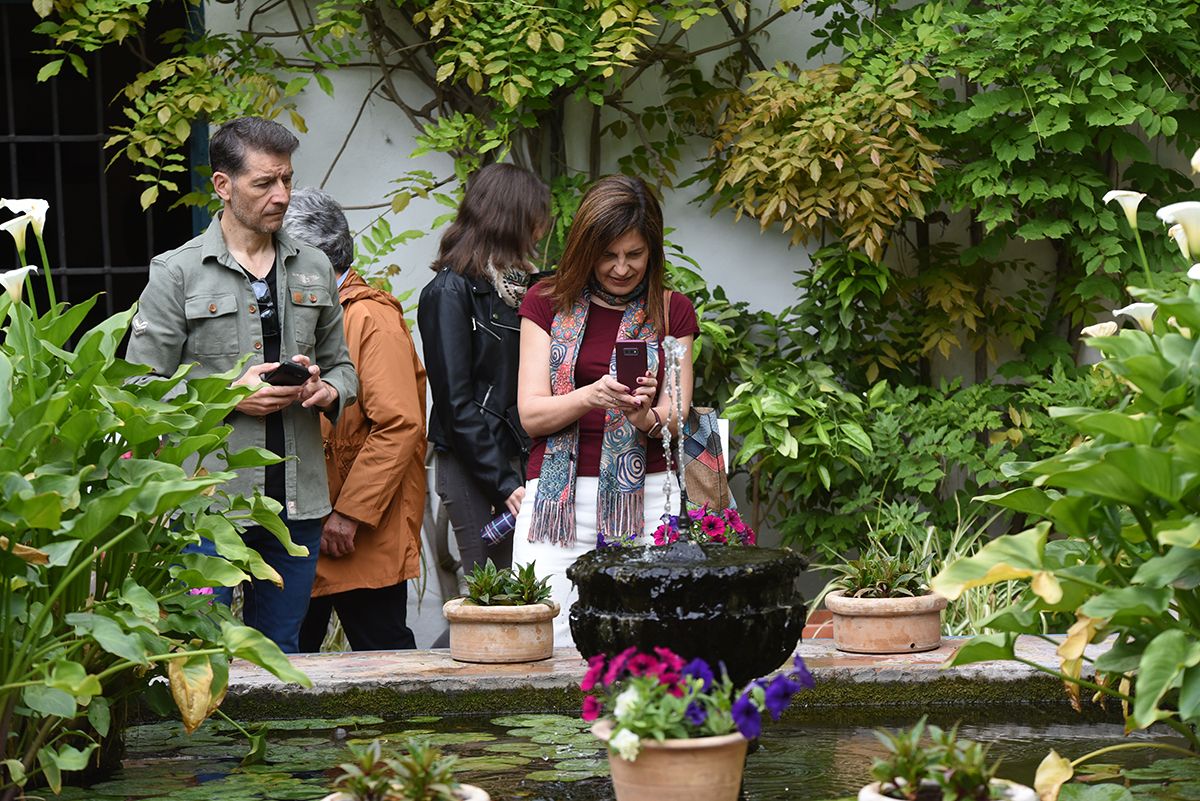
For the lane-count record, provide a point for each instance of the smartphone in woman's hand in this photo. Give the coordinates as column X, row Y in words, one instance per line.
column 631, row 362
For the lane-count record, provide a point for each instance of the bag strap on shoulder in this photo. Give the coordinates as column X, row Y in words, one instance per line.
column 666, row 313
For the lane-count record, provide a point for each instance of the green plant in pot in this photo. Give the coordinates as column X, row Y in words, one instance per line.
column 881, row 602
column 100, row 500
column 506, row 616
column 928, row 763
column 420, row 773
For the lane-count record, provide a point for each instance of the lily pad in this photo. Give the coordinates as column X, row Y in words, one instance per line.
column 490, row 763
column 558, row 776
column 536, row 721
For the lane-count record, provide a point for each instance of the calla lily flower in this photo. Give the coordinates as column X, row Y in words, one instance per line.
column 35, row 207
column 1187, row 215
column 1129, row 202
column 1176, row 233
column 1194, row 272
column 1106, row 329
column 17, row 227
column 13, row 281
column 1196, row 161
column 1142, row 313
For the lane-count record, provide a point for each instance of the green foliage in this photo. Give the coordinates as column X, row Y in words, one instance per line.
column 880, row 572
column 946, row 768
column 488, row 585
column 101, row 494
column 832, row 149
column 420, row 773
column 1122, row 505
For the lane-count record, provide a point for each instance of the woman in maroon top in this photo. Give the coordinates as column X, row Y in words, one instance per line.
column 597, row 472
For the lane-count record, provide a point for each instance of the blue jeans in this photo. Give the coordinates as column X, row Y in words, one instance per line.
column 276, row 611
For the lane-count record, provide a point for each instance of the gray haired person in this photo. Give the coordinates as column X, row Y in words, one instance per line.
column 244, row 289
column 374, row 455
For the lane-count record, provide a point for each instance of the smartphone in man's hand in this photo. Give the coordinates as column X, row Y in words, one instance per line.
column 287, row 374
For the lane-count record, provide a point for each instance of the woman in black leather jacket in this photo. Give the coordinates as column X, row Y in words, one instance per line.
column 471, row 338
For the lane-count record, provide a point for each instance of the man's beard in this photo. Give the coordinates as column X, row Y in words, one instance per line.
column 257, row 224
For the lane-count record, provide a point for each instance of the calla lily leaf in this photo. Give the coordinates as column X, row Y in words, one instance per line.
column 1128, row 602
column 1015, row 557
column 1163, row 662
column 23, row 552
column 1053, row 772
column 1189, row 695
column 1178, row 567
column 984, row 648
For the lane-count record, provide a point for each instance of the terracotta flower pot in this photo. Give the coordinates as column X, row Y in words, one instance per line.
column 886, row 625
column 1011, row 792
column 466, row 792
column 500, row 633
column 698, row 769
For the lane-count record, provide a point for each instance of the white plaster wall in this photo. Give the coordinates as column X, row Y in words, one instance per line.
column 751, row 266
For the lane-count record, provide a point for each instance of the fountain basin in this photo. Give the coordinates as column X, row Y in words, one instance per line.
column 740, row 606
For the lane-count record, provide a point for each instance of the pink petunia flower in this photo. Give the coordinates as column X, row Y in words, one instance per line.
column 201, row 591
column 617, row 665
column 672, row 660
column 591, row 708
column 594, row 671
column 645, row 665
column 713, row 528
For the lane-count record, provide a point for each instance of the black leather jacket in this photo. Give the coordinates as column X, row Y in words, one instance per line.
column 472, row 342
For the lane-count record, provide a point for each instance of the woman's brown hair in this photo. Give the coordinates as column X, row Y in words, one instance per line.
column 612, row 207
column 502, row 211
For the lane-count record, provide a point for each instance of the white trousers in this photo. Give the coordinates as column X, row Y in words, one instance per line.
column 551, row 560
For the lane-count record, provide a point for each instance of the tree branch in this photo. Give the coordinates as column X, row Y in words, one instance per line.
column 357, row 117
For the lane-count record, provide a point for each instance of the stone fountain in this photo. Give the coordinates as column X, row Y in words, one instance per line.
column 737, row 605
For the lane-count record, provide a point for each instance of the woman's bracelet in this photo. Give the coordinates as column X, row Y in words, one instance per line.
column 655, row 429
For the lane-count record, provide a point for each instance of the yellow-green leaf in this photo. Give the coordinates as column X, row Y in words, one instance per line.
column 445, row 71
column 1052, row 774
column 148, row 197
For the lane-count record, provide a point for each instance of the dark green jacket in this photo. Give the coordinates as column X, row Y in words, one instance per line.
column 198, row 308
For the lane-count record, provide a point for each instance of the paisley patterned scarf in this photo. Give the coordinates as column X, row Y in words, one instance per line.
column 621, row 507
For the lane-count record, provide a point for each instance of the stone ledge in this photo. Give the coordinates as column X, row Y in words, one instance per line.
column 393, row 683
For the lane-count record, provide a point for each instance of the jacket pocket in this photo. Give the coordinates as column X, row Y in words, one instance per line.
column 212, row 324
column 306, row 306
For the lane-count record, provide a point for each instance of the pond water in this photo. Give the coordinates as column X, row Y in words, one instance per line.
column 554, row 758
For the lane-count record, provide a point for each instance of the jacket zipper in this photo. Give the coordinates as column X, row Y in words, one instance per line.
column 478, row 326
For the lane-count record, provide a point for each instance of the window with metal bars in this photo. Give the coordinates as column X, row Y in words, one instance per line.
column 52, row 138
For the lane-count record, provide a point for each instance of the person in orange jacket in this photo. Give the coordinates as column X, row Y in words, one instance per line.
column 374, row 456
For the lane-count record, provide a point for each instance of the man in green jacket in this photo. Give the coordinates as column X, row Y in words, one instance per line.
column 243, row 287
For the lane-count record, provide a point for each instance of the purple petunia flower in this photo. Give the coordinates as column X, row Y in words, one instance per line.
column 695, row 714
column 699, row 669
column 746, row 717
column 779, row 694
column 801, row 675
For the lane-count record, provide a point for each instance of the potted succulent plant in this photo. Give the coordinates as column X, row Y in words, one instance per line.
column 674, row 731
column 943, row 769
column 506, row 616
column 881, row 603
column 421, row 773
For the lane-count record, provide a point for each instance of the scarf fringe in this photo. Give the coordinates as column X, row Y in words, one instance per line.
column 553, row 521
column 625, row 512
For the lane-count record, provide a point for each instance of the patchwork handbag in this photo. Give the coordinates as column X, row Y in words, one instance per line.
column 702, row 462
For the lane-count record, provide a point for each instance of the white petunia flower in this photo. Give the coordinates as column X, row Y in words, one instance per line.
column 1106, row 329
column 626, row 701
column 627, row 744
column 1142, row 313
column 13, row 281
column 35, row 207
column 1129, row 202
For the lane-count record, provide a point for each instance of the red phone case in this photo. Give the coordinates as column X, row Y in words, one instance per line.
column 631, row 361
